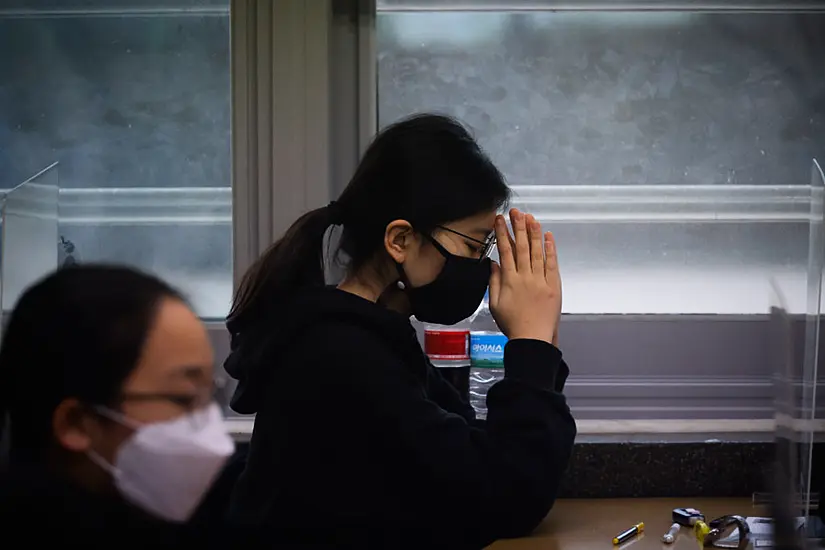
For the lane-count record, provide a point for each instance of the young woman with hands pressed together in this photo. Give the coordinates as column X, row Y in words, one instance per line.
column 358, row 439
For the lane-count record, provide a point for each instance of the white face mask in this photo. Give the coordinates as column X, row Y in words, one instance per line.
column 166, row 468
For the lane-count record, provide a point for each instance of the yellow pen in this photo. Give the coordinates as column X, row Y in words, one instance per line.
column 632, row 532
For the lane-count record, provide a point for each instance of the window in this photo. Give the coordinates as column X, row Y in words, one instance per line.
column 132, row 98
column 670, row 151
column 669, row 147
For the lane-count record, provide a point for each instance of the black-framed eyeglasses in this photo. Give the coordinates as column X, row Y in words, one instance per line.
column 187, row 401
column 487, row 245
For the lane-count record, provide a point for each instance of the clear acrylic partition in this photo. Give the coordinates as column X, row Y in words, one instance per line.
column 29, row 234
column 810, row 365
column 796, row 357
column 785, row 471
column 811, row 409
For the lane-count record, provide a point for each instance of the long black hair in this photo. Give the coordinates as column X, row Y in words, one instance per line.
column 426, row 169
column 77, row 333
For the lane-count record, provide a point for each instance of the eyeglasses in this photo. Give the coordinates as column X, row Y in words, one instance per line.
column 188, row 401
column 487, row 245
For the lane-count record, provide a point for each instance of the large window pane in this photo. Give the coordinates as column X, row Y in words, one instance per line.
column 669, row 151
column 132, row 98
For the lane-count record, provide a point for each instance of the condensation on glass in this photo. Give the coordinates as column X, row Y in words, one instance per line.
column 133, row 99
column 28, row 227
column 668, row 151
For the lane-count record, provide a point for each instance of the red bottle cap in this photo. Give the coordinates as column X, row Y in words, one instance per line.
column 447, row 345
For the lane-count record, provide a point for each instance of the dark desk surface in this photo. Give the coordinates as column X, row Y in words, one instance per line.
column 591, row 524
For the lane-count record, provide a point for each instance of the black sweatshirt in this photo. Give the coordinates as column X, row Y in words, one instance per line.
column 358, row 437
column 39, row 506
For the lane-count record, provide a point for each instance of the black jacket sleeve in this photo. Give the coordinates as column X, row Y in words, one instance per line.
column 449, row 399
column 479, row 484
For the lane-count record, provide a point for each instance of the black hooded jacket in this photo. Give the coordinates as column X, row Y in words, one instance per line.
column 359, row 438
column 41, row 507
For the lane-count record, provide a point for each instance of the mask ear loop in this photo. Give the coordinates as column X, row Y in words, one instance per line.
column 403, row 282
column 121, row 419
column 102, row 463
column 438, row 246
column 116, row 416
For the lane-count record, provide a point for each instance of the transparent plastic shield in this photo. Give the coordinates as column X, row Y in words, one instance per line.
column 810, row 362
column 812, row 476
column 785, row 483
column 29, row 235
column 796, row 346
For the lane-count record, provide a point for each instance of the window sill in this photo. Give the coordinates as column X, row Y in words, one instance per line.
column 612, row 431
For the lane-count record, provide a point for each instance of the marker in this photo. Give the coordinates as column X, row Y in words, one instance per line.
column 632, row 532
column 670, row 536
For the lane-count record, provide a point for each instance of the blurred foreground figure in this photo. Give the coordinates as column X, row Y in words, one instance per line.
column 106, row 401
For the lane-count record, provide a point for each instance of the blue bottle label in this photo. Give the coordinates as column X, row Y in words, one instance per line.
column 487, row 350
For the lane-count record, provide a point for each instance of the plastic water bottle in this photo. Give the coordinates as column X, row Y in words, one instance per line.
column 486, row 356
column 448, row 350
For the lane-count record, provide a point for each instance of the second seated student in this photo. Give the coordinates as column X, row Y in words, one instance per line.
column 357, row 436
column 106, row 399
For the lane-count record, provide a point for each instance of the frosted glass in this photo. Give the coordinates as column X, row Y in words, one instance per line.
column 135, row 106
column 668, row 151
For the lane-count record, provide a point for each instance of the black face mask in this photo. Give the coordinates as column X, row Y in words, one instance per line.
column 455, row 294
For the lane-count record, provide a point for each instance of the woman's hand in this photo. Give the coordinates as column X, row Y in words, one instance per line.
column 525, row 290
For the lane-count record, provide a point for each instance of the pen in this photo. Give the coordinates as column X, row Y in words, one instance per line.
column 632, row 532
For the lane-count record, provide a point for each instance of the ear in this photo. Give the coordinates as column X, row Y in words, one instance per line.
column 72, row 425
column 398, row 237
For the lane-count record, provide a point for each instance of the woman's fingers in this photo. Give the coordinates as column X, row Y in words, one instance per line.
column 525, row 298
column 536, row 245
column 506, row 249
column 495, row 284
column 551, row 264
column 518, row 220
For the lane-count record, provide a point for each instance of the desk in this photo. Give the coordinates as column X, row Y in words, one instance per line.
column 592, row 524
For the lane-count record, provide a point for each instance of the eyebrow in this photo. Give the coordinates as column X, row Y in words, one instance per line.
column 485, row 231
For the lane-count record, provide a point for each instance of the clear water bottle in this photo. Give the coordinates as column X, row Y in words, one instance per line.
column 486, row 356
column 448, row 350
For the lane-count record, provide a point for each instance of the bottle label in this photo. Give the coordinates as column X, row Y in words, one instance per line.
column 487, row 350
column 446, row 345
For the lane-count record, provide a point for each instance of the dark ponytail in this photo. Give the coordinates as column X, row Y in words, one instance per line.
column 426, row 169
column 295, row 260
